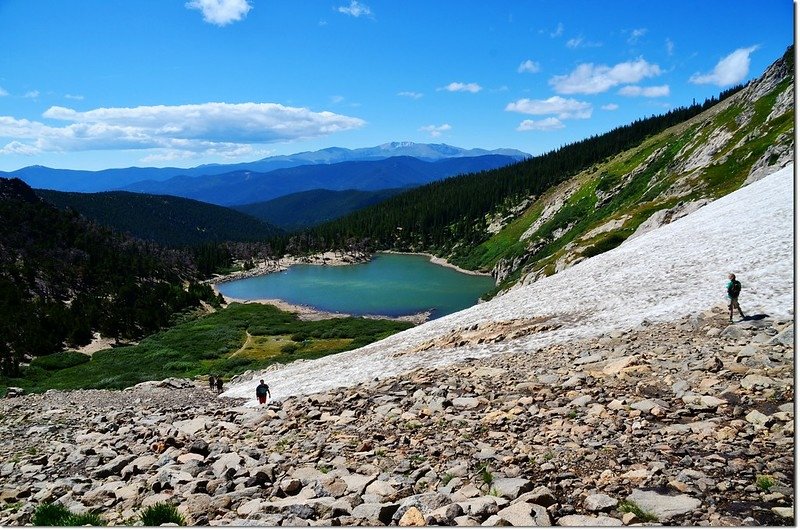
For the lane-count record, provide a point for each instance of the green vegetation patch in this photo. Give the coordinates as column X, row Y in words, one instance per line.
column 161, row 513
column 59, row 515
column 610, row 241
column 217, row 344
column 59, row 361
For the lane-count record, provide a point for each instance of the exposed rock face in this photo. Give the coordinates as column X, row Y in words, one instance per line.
column 691, row 421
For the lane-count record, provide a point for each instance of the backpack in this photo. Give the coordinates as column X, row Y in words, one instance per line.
column 735, row 289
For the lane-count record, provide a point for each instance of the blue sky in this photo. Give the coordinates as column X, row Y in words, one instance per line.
column 93, row 84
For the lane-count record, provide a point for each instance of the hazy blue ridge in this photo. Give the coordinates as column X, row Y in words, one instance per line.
column 309, row 208
column 117, row 178
column 245, row 187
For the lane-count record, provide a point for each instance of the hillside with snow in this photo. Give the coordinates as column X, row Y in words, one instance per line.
column 678, row 269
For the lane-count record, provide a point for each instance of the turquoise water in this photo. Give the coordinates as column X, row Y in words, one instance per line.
column 390, row 284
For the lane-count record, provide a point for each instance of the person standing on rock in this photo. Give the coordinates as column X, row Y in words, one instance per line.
column 262, row 391
column 734, row 288
column 218, row 383
column 211, row 382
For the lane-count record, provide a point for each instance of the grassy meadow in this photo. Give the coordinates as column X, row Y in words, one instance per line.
column 225, row 343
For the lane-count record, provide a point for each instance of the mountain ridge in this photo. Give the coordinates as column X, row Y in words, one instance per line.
column 38, row 176
column 244, row 187
column 165, row 219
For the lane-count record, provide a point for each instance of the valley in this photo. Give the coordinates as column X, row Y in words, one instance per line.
column 451, row 336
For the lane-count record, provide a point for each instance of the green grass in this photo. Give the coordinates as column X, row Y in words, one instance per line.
column 765, row 483
column 161, row 513
column 58, row 515
column 203, row 346
column 632, row 507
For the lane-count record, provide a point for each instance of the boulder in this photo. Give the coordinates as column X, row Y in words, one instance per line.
column 663, row 506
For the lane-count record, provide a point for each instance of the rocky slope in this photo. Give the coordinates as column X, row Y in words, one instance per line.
column 688, row 422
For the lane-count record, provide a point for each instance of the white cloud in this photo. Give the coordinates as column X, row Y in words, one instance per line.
column 562, row 108
column 636, row 34
column 558, row 31
column 355, row 9
column 462, row 87
column 670, row 47
column 19, row 148
column 729, row 71
column 209, row 128
column 529, row 67
column 547, row 124
column 3, row 92
column 436, row 130
column 31, row 94
column 408, row 94
column 74, row 96
column 579, row 42
column 648, row 92
column 610, row 106
column 221, row 12
column 588, row 78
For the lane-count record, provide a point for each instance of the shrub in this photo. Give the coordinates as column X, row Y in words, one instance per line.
column 59, row 515
column 290, row 348
column 50, row 515
column 161, row 513
column 764, row 482
column 604, row 245
column 59, row 361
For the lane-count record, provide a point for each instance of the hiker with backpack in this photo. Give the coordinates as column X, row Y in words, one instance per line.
column 734, row 288
column 262, row 391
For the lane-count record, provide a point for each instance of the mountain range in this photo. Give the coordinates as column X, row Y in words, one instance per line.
column 244, row 187
column 119, row 178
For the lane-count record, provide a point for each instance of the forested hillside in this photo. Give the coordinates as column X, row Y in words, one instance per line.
column 62, row 278
column 167, row 220
column 310, row 208
column 543, row 214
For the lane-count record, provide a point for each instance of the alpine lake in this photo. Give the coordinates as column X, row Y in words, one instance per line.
column 391, row 285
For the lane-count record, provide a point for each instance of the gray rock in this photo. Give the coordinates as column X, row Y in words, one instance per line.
column 600, row 502
column 225, row 462
column 588, row 520
column 784, row 338
column 357, row 483
column 466, row 403
column 114, row 466
column 376, row 512
column 511, row 488
column 749, row 381
column 663, row 506
column 525, row 514
column 540, row 495
column 424, row 502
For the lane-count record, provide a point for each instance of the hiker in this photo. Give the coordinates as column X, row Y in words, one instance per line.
column 211, row 382
column 262, row 391
column 218, row 382
column 734, row 288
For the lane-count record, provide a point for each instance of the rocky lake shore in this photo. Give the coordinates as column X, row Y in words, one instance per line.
column 686, row 423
